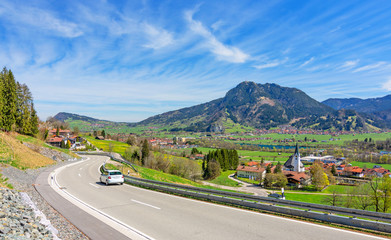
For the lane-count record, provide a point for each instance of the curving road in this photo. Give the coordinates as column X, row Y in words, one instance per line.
column 143, row 214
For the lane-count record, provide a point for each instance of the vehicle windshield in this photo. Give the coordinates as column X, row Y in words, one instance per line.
column 115, row 173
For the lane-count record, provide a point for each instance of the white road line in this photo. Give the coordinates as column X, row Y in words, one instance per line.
column 79, row 175
column 94, row 185
column 146, row 204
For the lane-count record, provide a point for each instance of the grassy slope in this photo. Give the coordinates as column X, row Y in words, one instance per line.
column 16, row 154
column 37, row 142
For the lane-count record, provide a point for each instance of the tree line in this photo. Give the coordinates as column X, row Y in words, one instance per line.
column 220, row 159
column 16, row 106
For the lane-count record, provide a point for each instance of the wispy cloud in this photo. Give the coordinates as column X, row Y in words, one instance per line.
column 158, row 38
column 271, row 64
column 222, row 52
column 350, row 64
column 387, row 85
column 41, row 19
column 307, row 62
column 370, row 67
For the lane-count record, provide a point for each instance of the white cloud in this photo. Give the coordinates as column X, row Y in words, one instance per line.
column 370, row 67
column 307, row 62
column 350, row 64
column 158, row 38
column 387, row 85
column 41, row 19
column 271, row 64
column 222, row 52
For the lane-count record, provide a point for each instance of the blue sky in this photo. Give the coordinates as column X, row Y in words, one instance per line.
column 128, row 60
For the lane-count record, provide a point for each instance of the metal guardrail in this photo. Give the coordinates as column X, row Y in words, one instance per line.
column 308, row 206
column 300, row 209
column 106, row 154
column 224, row 197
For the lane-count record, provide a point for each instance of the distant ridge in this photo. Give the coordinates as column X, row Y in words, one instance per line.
column 254, row 105
column 369, row 105
column 62, row 116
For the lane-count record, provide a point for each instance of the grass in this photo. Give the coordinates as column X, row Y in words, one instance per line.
column 224, row 180
column 309, row 198
column 18, row 155
column 370, row 165
column 3, row 182
column 339, row 189
column 41, row 143
column 118, row 147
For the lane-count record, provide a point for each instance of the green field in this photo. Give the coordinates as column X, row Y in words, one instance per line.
column 319, row 138
column 370, row 165
column 224, row 180
column 118, row 147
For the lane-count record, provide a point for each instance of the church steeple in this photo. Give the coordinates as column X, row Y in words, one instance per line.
column 297, row 165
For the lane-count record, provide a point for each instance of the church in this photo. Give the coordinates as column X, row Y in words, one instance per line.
column 294, row 170
column 293, row 163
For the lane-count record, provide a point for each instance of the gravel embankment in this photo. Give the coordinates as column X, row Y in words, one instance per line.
column 17, row 211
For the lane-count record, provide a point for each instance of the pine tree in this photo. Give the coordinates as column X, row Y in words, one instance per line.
column 9, row 100
column 144, row 151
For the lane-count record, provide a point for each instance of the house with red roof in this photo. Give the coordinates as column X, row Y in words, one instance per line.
column 254, row 172
column 353, row 171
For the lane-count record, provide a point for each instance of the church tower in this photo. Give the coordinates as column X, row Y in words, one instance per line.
column 297, row 165
column 294, row 163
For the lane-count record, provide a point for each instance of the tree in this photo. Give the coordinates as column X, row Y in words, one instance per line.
column 277, row 169
column 362, row 197
column 131, row 140
column 318, row 176
column 374, row 185
column 333, row 170
column 275, row 180
column 9, row 100
column 385, row 189
column 68, row 146
column 268, row 169
column 144, row 151
column 76, row 130
column 57, row 132
column 212, row 170
column 103, row 133
column 334, row 199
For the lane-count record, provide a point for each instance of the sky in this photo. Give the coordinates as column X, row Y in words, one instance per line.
column 129, row 60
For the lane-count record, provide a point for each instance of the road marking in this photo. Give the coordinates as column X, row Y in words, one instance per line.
column 146, row 204
column 81, row 168
column 94, row 185
column 79, row 175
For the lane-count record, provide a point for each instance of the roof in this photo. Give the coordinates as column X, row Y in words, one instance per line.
column 297, row 176
column 55, row 140
column 252, row 163
column 354, row 169
column 250, row 169
column 289, row 162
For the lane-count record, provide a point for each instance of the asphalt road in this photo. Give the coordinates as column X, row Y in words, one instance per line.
column 161, row 216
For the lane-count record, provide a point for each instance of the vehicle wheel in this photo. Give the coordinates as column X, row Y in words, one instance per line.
column 122, row 183
column 107, row 183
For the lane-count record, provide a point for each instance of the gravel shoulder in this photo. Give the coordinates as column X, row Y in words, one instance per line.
column 23, row 181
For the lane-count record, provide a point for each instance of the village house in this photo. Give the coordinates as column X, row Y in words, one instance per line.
column 298, row 179
column 377, row 171
column 255, row 173
column 353, row 171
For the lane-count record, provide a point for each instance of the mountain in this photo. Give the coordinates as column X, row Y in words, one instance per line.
column 260, row 106
column 369, row 105
column 250, row 105
column 62, row 116
column 375, row 107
